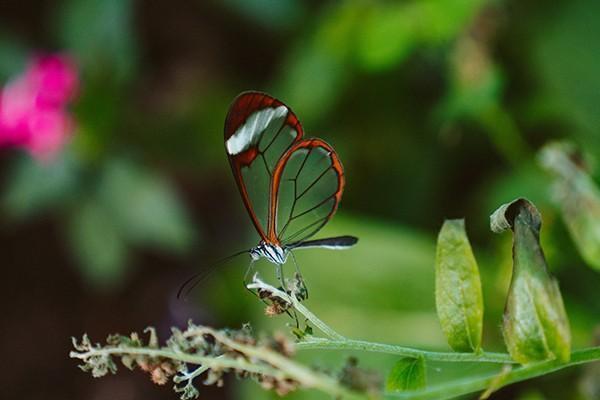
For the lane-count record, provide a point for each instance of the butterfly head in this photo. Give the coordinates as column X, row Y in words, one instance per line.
column 272, row 252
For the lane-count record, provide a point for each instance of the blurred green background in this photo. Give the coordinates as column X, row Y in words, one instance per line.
column 437, row 109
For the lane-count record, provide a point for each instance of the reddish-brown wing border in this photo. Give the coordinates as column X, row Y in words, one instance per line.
column 244, row 105
column 336, row 165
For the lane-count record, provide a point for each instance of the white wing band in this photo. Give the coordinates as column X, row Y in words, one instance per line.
column 249, row 133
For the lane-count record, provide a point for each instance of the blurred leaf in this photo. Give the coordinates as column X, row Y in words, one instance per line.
column 578, row 197
column 441, row 20
column 144, row 207
column 100, row 34
column 34, row 187
column 476, row 83
column 318, row 69
column 407, row 374
column 391, row 30
column 387, row 34
column 13, row 57
column 535, row 325
column 458, row 295
column 97, row 244
column 574, row 86
column 274, row 14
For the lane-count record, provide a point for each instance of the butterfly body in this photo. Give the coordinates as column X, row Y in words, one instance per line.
column 272, row 252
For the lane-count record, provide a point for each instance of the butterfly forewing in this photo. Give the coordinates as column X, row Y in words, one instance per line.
column 258, row 131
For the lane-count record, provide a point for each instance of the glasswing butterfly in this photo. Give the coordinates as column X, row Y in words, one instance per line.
column 290, row 185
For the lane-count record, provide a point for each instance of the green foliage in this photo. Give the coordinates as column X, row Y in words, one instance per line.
column 127, row 205
column 578, row 197
column 391, row 31
column 407, row 374
column 33, row 188
column 281, row 14
column 419, row 98
column 570, row 89
column 144, row 206
column 535, row 325
column 98, row 245
column 13, row 56
column 459, row 299
column 100, row 34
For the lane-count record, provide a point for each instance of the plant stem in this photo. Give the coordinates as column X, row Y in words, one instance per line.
column 351, row 344
column 323, row 327
column 211, row 362
column 470, row 385
column 300, row 373
column 339, row 342
column 277, row 366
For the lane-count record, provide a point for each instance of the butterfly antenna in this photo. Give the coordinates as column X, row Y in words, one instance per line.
column 187, row 286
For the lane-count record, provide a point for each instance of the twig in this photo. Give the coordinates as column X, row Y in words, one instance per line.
column 351, row 344
column 257, row 283
column 474, row 384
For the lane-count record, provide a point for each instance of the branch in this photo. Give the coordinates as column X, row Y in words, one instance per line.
column 339, row 342
column 260, row 285
column 204, row 350
column 470, row 385
column 351, row 344
column 508, row 375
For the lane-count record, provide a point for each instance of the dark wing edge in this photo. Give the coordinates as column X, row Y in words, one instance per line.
column 333, row 243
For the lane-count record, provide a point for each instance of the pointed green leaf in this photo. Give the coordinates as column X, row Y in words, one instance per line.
column 458, row 296
column 578, row 197
column 407, row 374
column 535, row 325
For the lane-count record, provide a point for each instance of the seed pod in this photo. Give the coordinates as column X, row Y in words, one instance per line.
column 535, row 325
column 458, row 297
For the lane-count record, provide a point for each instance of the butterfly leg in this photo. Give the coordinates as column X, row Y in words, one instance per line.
column 280, row 278
column 303, row 292
column 279, row 274
column 247, row 275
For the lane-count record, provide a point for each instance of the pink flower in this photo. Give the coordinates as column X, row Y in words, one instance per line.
column 33, row 112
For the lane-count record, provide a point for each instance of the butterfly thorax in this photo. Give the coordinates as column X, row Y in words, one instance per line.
column 272, row 252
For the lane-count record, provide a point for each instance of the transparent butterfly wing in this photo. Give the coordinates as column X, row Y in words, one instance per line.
column 307, row 187
column 259, row 129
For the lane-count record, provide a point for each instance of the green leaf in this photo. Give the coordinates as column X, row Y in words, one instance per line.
column 535, row 325
column 99, row 33
column 458, row 295
column 34, row 187
column 407, row 374
column 387, row 35
column 271, row 14
column 144, row 206
column 578, row 198
column 97, row 245
column 13, row 56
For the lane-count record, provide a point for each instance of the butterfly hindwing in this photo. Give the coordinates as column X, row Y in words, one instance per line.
column 307, row 188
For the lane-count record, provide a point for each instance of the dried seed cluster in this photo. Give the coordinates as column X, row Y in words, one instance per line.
column 213, row 346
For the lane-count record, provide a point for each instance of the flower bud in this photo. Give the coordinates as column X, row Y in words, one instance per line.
column 535, row 325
